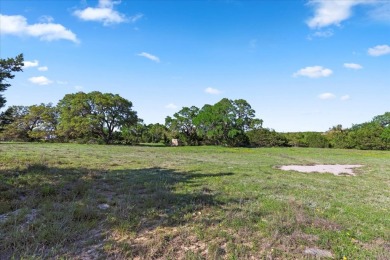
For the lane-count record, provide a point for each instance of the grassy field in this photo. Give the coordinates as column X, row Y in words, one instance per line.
column 89, row 201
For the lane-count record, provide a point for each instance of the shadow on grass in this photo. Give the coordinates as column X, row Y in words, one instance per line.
column 51, row 211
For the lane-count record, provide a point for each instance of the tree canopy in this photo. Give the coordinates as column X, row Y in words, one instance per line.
column 7, row 69
column 94, row 115
column 29, row 123
column 225, row 123
column 182, row 125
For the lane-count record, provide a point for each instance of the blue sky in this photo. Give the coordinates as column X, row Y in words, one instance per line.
column 302, row 65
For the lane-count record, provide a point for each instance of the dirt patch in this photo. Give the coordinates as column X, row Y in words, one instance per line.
column 336, row 169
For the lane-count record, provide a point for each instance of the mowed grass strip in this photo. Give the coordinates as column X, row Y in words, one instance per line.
column 121, row 202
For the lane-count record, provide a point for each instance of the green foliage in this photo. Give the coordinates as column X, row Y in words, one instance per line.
column 383, row 120
column 156, row 133
column 307, row 139
column 7, row 68
column 296, row 139
column 368, row 136
column 338, row 137
column 374, row 135
column 29, row 123
column 265, row 137
column 141, row 133
column 6, row 118
column 133, row 134
column 316, row 140
column 226, row 122
column 94, row 116
column 182, row 125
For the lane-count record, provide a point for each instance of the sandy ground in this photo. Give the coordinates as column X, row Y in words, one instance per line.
column 336, row 169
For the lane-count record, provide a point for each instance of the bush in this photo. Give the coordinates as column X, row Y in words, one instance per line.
column 266, row 138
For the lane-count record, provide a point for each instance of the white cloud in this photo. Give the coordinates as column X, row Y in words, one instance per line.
column 313, row 72
column 41, row 80
column 333, row 12
column 149, row 56
column 381, row 12
column 327, row 96
column 135, row 18
column 46, row 19
column 79, row 88
column 345, row 97
column 30, row 64
column 43, row 68
column 353, row 66
column 17, row 25
column 212, row 91
column 61, row 82
column 379, row 50
column 323, row 34
column 171, row 106
column 104, row 13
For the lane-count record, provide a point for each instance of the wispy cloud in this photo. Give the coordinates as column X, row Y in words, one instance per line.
column 321, row 34
column 353, row 66
column 43, row 68
column 135, row 18
column 79, row 88
column 104, row 13
column 345, row 97
column 333, row 12
column 171, row 106
column 313, row 72
column 41, row 80
column 327, row 95
column 30, row 64
column 60, row 82
column 212, row 91
column 17, row 25
column 149, row 56
column 46, row 19
column 381, row 12
column 379, row 50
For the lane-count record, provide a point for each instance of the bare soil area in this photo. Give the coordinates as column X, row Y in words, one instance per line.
column 336, row 169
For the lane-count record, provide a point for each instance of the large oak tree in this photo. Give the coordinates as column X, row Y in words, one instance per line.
column 94, row 115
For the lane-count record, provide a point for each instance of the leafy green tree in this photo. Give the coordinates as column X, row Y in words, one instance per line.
column 157, row 133
column 182, row 125
column 367, row 136
column 6, row 118
column 134, row 134
column 264, row 137
column 94, row 115
column 227, row 122
column 337, row 137
column 385, row 136
column 7, row 69
column 316, row 140
column 13, row 129
column 42, row 121
column 383, row 120
column 29, row 123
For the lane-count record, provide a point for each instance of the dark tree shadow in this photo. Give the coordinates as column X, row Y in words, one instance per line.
column 49, row 210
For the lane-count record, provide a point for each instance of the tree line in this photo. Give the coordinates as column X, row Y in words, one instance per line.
column 108, row 118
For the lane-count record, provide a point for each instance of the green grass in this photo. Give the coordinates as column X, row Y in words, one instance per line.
column 189, row 203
